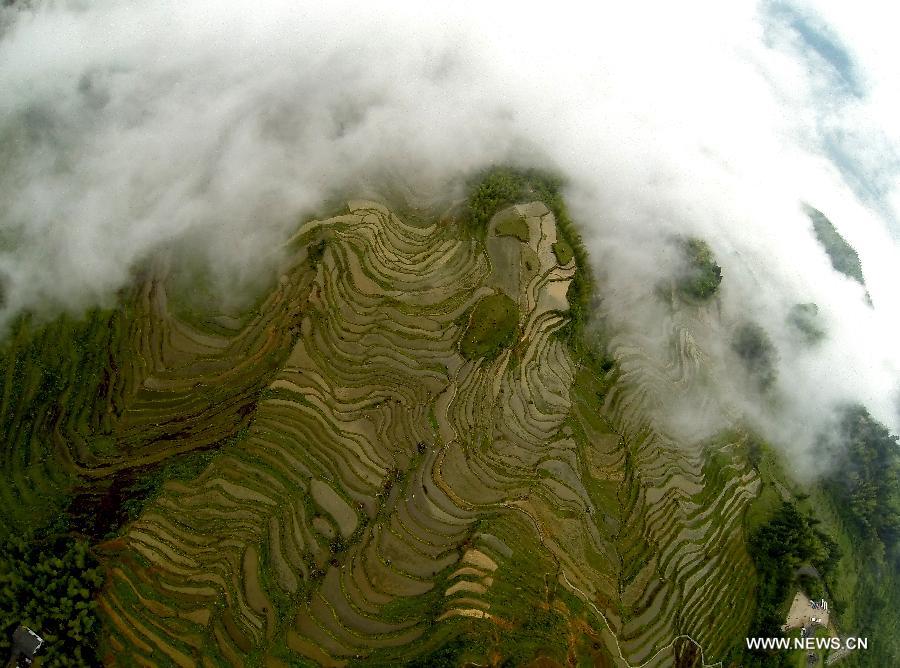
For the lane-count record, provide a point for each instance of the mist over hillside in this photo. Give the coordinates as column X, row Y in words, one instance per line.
column 211, row 127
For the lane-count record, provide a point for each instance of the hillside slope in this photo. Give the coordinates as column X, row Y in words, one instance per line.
column 410, row 451
column 383, row 488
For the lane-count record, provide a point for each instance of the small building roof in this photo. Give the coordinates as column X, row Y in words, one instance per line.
column 26, row 642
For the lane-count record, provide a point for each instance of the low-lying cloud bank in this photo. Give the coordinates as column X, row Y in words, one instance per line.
column 129, row 127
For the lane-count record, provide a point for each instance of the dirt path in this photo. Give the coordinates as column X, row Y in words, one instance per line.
column 802, row 612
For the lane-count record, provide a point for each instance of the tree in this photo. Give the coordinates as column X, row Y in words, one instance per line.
column 701, row 275
column 778, row 548
column 48, row 585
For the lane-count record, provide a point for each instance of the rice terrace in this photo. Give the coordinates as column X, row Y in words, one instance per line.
column 410, row 451
column 449, row 335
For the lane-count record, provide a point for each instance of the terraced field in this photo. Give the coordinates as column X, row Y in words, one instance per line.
column 375, row 497
column 361, row 470
column 87, row 404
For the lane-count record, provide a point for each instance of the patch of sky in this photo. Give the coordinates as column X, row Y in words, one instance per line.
column 871, row 177
column 821, row 41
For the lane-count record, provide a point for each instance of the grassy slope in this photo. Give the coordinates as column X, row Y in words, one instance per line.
column 492, row 326
column 55, row 377
column 513, row 226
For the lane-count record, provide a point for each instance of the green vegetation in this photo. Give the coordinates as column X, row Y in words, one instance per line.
column 783, row 536
column 811, row 586
column 756, row 351
column 493, row 324
column 315, row 251
column 563, row 252
column 867, row 474
column 763, row 508
column 701, row 277
column 864, row 492
column 513, row 225
column 48, row 585
column 856, row 541
column 787, row 541
column 452, row 653
column 497, row 187
column 99, row 511
column 523, row 595
column 804, row 319
column 87, row 444
column 317, row 511
column 53, row 377
column 799, row 658
column 842, row 255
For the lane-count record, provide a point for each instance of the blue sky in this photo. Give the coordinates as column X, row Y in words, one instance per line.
column 841, row 86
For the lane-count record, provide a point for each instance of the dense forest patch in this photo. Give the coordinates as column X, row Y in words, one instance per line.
column 842, row 255
column 854, row 548
column 864, row 490
column 867, row 473
column 778, row 548
column 49, row 585
column 701, row 276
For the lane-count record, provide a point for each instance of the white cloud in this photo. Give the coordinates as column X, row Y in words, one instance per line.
column 129, row 126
